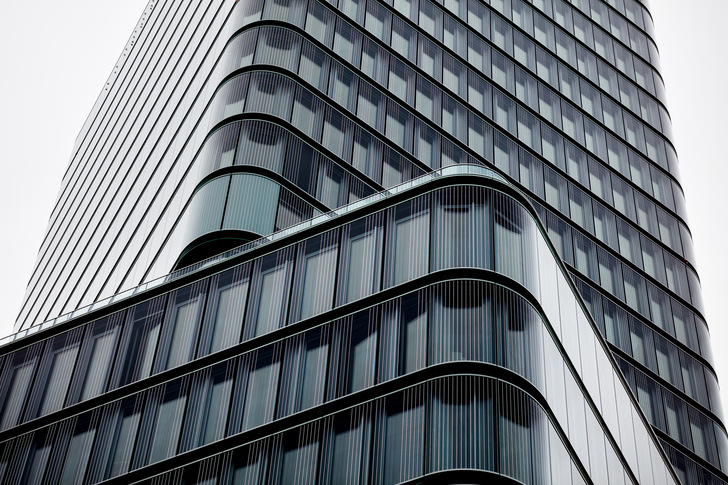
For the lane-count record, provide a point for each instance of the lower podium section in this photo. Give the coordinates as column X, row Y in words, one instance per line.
column 426, row 334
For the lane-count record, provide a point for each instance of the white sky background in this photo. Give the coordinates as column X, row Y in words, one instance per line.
column 56, row 56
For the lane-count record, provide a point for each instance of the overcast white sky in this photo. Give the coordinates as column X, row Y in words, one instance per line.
column 56, row 56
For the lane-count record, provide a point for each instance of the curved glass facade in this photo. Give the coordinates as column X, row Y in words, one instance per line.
column 469, row 211
column 285, row 332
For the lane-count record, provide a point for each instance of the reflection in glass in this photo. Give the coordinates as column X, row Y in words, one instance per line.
column 254, row 403
column 99, row 361
column 346, row 459
column 140, row 341
column 462, row 226
column 402, row 438
column 461, row 428
column 16, row 385
column 55, row 373
column 224, row 317
column 121, row 436
column 79, row 451
column 316, row 271
column 269, row 293
column 167, row 425
column 360, row 265
column 408, row 241
column 183, row 315
column 462, row 323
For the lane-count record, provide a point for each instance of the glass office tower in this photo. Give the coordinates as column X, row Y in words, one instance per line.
column 366, row 241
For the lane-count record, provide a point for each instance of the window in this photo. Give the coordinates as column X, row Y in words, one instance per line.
column 308, row 113
column 96, row 356
column 278, row 46
column 342, row 87
column 462, row 323
column 54, row 374
column 19, row 369
column 166, row 407
column 346, row 460
column 461, row 416
column 314, row 292
column 360, row 266
column 184, row 311
column 374, row 61
column 139, row 343
column 259, row 372
column 371, row 106
column 207, row 414
column 358, row 337
column 400, row 446
column 407, row 248
column 462, row 228
column 314, row 66
column 269, row 293
column 401, row 81
column 225, row 311
column 79, row 451
column 513, row 252
column 347, row 39
column 120, row 437
column 298, row 455
column 305, row 362
column 403, row 346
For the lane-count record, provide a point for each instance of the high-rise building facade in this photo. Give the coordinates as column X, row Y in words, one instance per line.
column 367, row 241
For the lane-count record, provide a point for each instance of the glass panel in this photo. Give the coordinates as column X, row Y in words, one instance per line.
column 342, row 86
column 167, row 424
column 374, row 61
column 407, row 247
column 367, row 154
column 17, row 376
column 320, row 22
column 360, row 266
column 299, row 452
column 314, row 66
column 54, row 376
column 461, row 427
column 79, row 451
column 140, row 341
column 97, row 355
column 308, row 113
column 121, row 436
column 304, row 371
column 246, row 189
column 523, row 436
column 278, row 46
column 400, row 440
column 270, row 93
column 184, row 310
column 269, row 293
column 462, row 323
column 37, row 457
column 462, row 229
column 316, row 272
column 412, row 333
column 358, row 352
column 262, row 369
column 349, row 448
column 225, row 310
column 371, row 106
column 207, row 413
column 401, row 81
column 250, row 464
